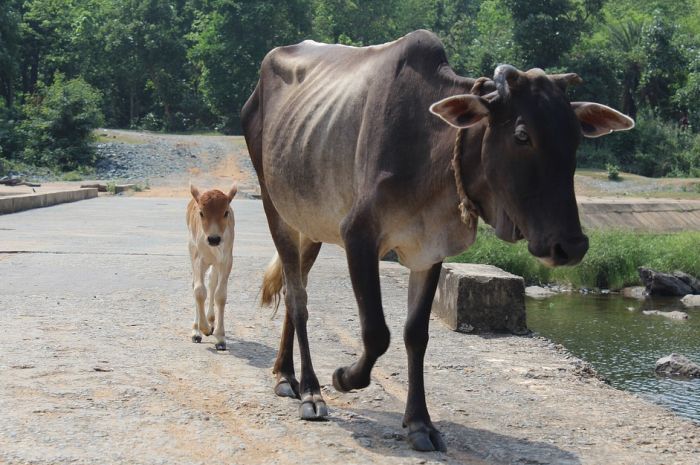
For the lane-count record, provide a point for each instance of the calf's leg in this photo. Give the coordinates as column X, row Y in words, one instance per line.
column 220, row 302
column 213, row 283
column 200, row 294
column 422, row 435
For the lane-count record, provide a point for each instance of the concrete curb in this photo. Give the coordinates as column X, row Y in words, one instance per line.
column 18, row 203
column 652, row 216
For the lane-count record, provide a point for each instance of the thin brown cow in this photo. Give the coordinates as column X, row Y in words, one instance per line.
column 386, row 148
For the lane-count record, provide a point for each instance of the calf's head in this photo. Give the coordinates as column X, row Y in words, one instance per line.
column 213, row 210
column 528, row 156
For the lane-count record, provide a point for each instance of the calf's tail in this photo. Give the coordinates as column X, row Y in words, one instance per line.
column 273, row 281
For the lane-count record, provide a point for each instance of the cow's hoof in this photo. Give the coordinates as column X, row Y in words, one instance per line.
column 338, row 380
column 426, row 439
column 197, row 338
column 285, row 388
column 220, row 346
column 343, row 384
column 313, row 408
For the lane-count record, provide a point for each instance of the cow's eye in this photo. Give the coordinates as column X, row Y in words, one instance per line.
column 226, row 213
column 521, row 136
column 201, row 214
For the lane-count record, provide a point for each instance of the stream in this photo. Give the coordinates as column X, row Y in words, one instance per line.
column 622, row 344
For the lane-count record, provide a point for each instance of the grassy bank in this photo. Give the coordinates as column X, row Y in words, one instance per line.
column 611, row 261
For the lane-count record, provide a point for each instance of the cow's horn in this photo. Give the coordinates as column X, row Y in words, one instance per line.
column 506, row 78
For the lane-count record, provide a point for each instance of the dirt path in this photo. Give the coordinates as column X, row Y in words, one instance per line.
column 96, row 365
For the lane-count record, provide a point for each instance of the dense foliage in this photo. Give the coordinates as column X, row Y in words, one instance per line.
column 183, row 65
column 611, row 261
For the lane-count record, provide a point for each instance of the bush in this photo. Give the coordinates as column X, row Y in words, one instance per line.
column 613, row 172
column 58, row 125
column 611, row 262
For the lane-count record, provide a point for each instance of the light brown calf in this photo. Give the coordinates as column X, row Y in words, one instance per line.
column 210, row 222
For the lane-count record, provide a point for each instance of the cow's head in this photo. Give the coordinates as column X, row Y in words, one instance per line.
column 528, row 157
column 213, row 208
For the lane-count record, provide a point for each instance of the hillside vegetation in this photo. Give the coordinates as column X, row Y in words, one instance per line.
column 70, row 65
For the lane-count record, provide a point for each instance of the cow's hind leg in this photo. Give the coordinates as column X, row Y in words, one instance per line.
column 363, row 261
column 288, row 244
column 422, row 435
column 287, row 384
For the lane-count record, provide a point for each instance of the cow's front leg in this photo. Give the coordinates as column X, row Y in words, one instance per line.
column 422, row 435
column 363, row 261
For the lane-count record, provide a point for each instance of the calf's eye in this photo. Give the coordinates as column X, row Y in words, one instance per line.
column 226, row 213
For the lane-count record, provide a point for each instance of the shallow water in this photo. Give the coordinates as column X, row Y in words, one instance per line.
column 622, row 344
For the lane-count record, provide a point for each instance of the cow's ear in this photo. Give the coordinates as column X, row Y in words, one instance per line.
column 195, row 192
column 232, row 192
column 461, row 111
column 598, row 120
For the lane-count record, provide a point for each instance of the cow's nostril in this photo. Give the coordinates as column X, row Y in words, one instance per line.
column 570, row 252
column 559, row 254
column 214, row 240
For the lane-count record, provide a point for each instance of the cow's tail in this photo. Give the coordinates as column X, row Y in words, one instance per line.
column 273, row 281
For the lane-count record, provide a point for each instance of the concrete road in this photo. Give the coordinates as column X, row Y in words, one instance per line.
column 97, row 367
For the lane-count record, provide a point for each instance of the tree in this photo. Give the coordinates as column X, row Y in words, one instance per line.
column 547, row 29
column 59, row 122
column 230, row 42
column 9, row 50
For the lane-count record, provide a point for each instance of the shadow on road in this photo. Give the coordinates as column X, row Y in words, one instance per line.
column 373, row 430
column 254, row 353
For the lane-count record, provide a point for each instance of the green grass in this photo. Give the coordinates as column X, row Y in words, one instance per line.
column 611, row 261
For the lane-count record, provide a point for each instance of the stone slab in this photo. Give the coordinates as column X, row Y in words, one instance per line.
column 17, row 203
column 480, row 298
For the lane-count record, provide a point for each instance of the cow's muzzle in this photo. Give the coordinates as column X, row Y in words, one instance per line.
column 569, row 251
column 214, row 240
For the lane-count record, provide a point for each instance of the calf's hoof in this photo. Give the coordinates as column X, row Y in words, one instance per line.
column 197, row 338
column 313, row 408
column 220, row 346
column 209, row 331
column 426, row 439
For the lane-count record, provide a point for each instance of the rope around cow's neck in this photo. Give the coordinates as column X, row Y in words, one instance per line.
column 467, row 210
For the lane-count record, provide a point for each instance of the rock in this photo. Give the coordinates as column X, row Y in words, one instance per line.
column 691, row 300
column 674, row 315
column 677, row 365
column 668, row 284
column 474, row 298
column 538, row 292
column 637, row 292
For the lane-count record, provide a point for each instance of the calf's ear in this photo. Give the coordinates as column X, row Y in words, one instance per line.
column 461, row 111
column 598, row 120
column 232, row 192
column 195, row 192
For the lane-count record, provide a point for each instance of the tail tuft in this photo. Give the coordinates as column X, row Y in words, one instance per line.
column 273, row 281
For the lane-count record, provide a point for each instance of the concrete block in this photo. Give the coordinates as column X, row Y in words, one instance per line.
column 476, row 298
column 17, row 203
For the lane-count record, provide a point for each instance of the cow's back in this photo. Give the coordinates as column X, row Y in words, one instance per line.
column 337, row 121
